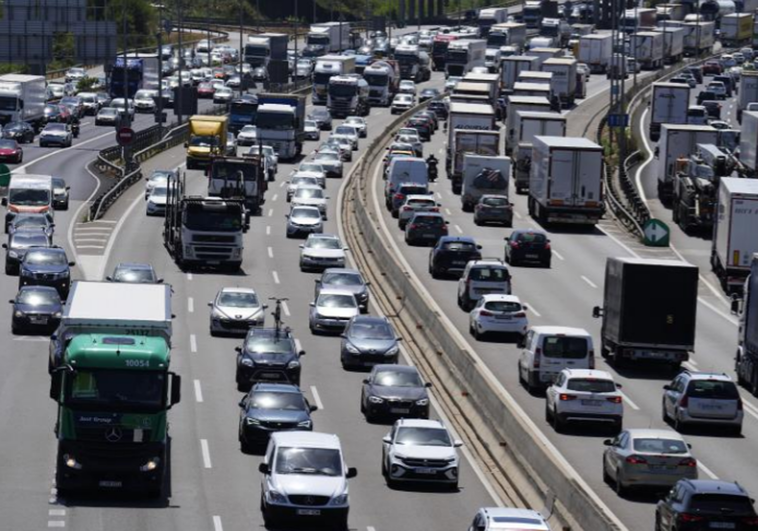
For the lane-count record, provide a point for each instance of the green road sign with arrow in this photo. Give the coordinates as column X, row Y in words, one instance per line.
column 655, row 233
column 5, row 175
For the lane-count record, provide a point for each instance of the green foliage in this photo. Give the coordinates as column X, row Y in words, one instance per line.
column 142, row 21
column 87, row 84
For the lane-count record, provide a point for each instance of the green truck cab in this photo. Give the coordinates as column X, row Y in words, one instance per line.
column 113, row 393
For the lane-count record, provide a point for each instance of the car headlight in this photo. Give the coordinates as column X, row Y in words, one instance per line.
column 294, row 364
column 422, row 402
column 276, row 497
column 305, row 424
column 57, row 315
column 13, row 254
column 251, row 421
column 391, row 352
column 247, row 362
column 18, row 313
column 375, row 400
column 340, row 499
column 351, row 349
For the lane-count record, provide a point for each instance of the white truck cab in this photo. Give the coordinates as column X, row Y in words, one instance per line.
column 28, row 194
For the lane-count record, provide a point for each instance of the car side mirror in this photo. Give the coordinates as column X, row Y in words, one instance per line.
column 597, row 312
column 458, row 443
column 668, row 387
column 619, row 386
column 608, row 442
column 302, row 246
column 365, row 380
column 312, row 408
column 428, row 385
column 351, row 472
column 5, row 246
column 387, row 439
column 71, row 264
column 68, row 188
column 12, row 301
column 186, row 145
column 159, row 281
column 238, row 350
column 241, row 403
column 263, row 468
column 312, row 304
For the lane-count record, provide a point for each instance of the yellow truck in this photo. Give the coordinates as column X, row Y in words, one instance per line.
column 208, row 136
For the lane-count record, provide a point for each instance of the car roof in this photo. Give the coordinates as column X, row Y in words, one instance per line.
column 419, row 423
column 713, row 486
column 266, row 387
column 501, row 297
column 566, row 330
column 236, row 289
column 461, row 239
column 306, row 439
column 427, row 197
column 427, row 215
column 588, row 373
column 649, row 433
column 322, row 236
column 335, row 291
column 514, row 518
column 720, row 376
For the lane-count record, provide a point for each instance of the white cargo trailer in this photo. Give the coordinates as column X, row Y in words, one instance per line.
column 595, row 50
column 748, row 91
column 677, row 141
column 669, row 105
column 734, row 241
column 528, row 125
column 521, row 103
column 749, row 140
column 564, row 79
column 698, row 37
column 647, row 49
column 471, row 190
column 514, row 65
column 673, row 44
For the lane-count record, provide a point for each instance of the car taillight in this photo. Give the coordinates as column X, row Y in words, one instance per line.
column 689, row 462
column 565, row 397
column 685, row 401
column 547, row 246
column 519, row 314
column 478, row 207
column 485, row 313
column 434, row 209
column 750, row 520
column 635, row 460
column 614, row 399
column 536, row 362
column 406, row 208
column 686, row 517
column 514, row 245
column 398, row 196
column 413, row 226
column 739, row 405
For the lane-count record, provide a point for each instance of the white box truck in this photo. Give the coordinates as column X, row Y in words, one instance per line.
column 474, row 142
column 507, row 34
column 468, row 116
column 565, row 185
column 673, row 44
column 530, row 124
column 595, row 51
column 543, row 53
column 679, row 140
column 22, row 99
column 736, row 29
column 522, row 88
column 698, row 37
column 473, row 188
column 748, row 91
column 326, row 67
column 669, row 105
column 521, row 103
column 749, row 140
column 328, row 37
column 513, row 66
column 491, row 16
column 647, row 49
column 734, row 241
column 564, row 79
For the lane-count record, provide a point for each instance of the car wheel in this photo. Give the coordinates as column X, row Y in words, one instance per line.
column 478, row 334
column 679, row 426
column 737, row 431
column 558, row 423
column 65, row 205
column 664, row 415
column 607, row 479
column 619, row 486
column 547, row 263
column 548, row 414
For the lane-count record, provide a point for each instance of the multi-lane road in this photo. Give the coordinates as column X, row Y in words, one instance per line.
column 215, row 486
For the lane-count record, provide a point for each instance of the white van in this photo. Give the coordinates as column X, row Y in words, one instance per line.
column 550, row 349
column 28, row 194
column 405, row 170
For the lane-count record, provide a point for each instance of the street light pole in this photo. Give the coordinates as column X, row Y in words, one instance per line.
column 241, row 53
column 178, row 99
column 294, row 71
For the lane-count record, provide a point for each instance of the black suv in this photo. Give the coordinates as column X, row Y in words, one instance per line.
column 527, row 245
column 451, row 254
column 268, row 355
column 46, row 267
column 698, row 504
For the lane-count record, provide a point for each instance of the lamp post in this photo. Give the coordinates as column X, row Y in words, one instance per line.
column 241, row 53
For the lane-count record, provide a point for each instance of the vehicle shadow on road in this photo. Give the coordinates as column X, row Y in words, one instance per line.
column 647, row 372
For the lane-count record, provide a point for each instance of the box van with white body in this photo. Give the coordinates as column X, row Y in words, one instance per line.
column 547, row 350
column 403, row 170
column 28, row 194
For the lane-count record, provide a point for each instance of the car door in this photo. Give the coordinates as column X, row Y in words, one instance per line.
column 665, row 512
column 554, row 389
column 387, row 446
column 671, row 396
column 528, row 351
column 479, row 523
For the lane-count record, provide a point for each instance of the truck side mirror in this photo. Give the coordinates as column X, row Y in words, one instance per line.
column 176, row 389
column 56, row 379
column 186, row 145
column 263, row 468
column 521, row 343
column 4, row 201
column 597, row 312
column 351, row 473
column 735, row 306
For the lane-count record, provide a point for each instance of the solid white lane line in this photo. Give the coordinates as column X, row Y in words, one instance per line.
column 276, row 277
column 56, row 512
column 206, row 453
column 638, row 173
column 558, row 255
column 189, row 276
column 90, row 246
column 190, row 304
column 588, row 281
column 458, row 229
column 317, row 398
column 749, row 410
column 270, row 252
column 276, row 196
column 281, row 184
column 531, row 309
column 56, row 523
column 268, row 230
column 286, row 308
column 369, row 528
column 439, row 195
column 629, row 401
column 707, row 470
column 198, row 391
column 193, row 343
column 217, row 523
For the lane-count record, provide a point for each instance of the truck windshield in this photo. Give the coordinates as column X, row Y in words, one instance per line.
column 8, row 103
column 256, row 51
column 245, row 109
column 29, row 197
column 280, row 121
column 203, row 141
column 549, row 31
column 321, row 78
column 315, row 461
column 376, row 80
column 316, row 39
column 457, row 56
column 342, row 90
column 197, row 217
column 114, row 388
column 406, row 58
column 496, row 40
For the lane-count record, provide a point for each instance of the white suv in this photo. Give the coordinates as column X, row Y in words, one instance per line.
column 584, row 395
column 418, row 450
column 489, row 275
column 304, row 477
column 508, row 519
column 550, row 349
column 703, row 398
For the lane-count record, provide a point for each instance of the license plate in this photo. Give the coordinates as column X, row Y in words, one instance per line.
column 309, row 512
column 503, row 317
column 399, row 411
column 213, row 262
column 425, row 471
column 111, row 484
column 660, row 468
column 428, row 235
column 595, row 403
column 274, row 375
column 711, row 407
column 38, row 320
column 458, row 263
column 722, row 525
column 533, row 256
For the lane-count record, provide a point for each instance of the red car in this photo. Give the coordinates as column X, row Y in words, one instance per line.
column 711, row 68
column 205, row 90
column 65, row 113
column 10, row 151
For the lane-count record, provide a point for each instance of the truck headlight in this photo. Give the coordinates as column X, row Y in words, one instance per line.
column 71, row 462
column 150, row 465
column 422, row 402
column 340, row 499
column 276, row 497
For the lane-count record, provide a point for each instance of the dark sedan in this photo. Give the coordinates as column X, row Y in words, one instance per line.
column 26, row 220
column 422, row 125
column 367, row 341
column 269, row 408
column 345, row 279
column 46, row 267
column 322, row 118
column 21, row 132
column 425, row 227
column 428, row 94
column 528, row 245
column 439, row 108
column 494, row 209
column 60, row 194
column 267, row 356
column 19, row 242
column 393, row 391
column 451, row 254
column 11, row 151
column 52, row 113
column 36, row 308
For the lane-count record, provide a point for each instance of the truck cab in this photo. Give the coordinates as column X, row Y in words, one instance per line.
column 348, row 96
column 28, row 194
column 208, row 137
column 232, row 177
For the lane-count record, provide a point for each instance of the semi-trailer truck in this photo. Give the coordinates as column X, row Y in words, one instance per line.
column 280, row 122
column 513, row 66
column 669, row 105
column 530, row 124
column 326, row 67
column 595, row 51
column 564, row 79
column 383, row 78
column 698, row 37
column 262, row 48
column 673, row 44
column 521, row 103
column 507, row 34
column 489, row 17
column 348, row 96
column 746, row 361
column 328, row 37
column 141, row 72
column 463, row 55
column 748, row 91
column 484, row 175
column 239, row 178
column 676, row 141
column 647, row 49
column 736, row 29
column 22, row 99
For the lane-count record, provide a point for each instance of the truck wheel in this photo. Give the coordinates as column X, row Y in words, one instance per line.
column 754, row 385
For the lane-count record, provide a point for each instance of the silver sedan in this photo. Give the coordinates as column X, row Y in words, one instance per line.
column 235, row 310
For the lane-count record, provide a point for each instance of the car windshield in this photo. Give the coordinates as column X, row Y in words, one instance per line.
column 316, row 461
column 713, row 389
column 28, row 238
column 502, row 306
column 45, row 258
column 336, row 300
column 309, row 193
column 114, row 388
column 495, row 202
column 311, row 124
column 305, row 213
column 279, row 401
column 342, row 279
column 423, row 437
column 721, row 504
column 660, row 446
column 143, row 94
column 38, row 297
column 390, row 378
column 268, row 345
column 564, row 347
column 159, row 191
column 489, row 274
column 461, row 247
column 327, row 156
column 249, row 129
column 343, row 130
column 591, row 385
column 323, row 243
column 203, row 141
column 58, row 183
column 136, row 274
column 297, row 181
column 377, row 330
column 55, row 127
column 237, row 299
